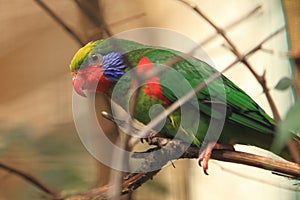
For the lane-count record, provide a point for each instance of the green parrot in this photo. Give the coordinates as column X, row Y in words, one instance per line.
column 105, row 66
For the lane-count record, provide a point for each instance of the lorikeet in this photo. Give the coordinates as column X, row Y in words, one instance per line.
column 101, row 64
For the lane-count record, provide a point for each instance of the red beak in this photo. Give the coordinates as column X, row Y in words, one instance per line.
column 78, row 83
column 86, row 78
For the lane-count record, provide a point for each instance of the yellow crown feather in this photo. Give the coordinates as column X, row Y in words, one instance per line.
column 81, row 55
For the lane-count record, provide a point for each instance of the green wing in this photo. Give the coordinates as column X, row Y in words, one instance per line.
column 241, row 108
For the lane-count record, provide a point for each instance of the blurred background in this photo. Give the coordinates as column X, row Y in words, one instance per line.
column 37, row 132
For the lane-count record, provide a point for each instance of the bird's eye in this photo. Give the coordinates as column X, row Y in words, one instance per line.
column 95, row 58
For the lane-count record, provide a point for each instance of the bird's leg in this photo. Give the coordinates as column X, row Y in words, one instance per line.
column 204, row 156
column 156, row 138
column 149, row 136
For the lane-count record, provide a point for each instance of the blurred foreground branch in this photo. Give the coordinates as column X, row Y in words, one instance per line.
column 33, row 180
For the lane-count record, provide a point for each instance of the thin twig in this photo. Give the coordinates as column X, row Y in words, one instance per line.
column 233, row 24
column 61, row 22
column 127, row 19
column 33, row 180
column 97, row 30
column 259, row 78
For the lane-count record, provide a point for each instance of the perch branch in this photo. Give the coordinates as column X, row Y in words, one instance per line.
column 33, row 180
column 169, row 150
column 259, row 78
column 275, row 165
column 60, row 22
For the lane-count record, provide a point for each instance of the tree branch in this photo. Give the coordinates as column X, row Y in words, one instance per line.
column 59, row 20
column 169, row 150
column 276, row 165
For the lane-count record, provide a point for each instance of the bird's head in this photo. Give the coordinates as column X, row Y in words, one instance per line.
column 94, row 69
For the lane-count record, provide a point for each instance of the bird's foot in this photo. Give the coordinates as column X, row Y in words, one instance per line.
column 205, row 155
column 157, row 139
column 148, row 137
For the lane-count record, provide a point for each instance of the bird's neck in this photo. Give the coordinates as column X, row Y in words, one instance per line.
column 104, row 86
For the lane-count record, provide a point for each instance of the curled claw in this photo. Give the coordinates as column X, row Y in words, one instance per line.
column 207, row 151
column 205, row 172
